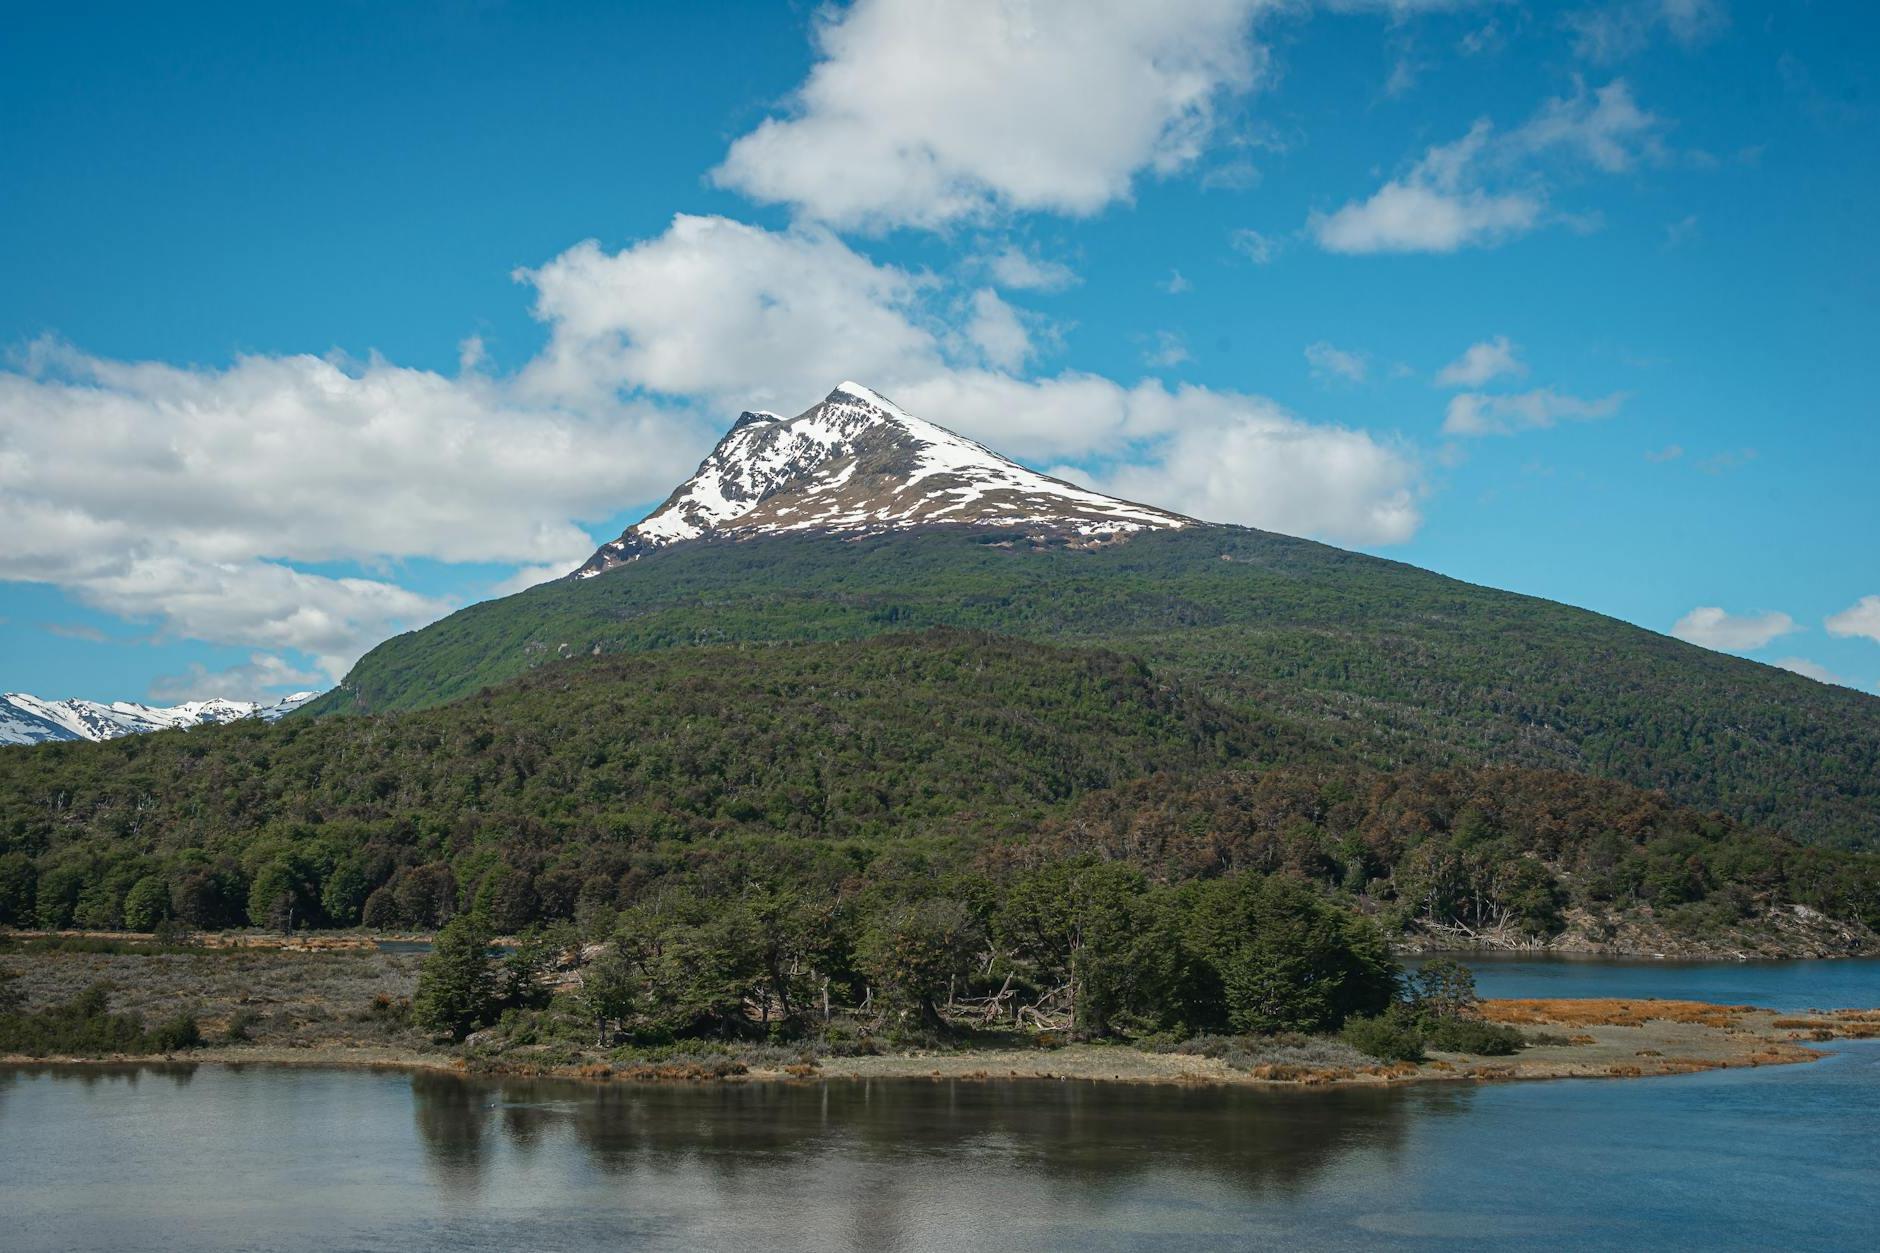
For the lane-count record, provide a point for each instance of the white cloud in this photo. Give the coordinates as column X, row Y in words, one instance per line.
column 1710, row 627
column 1167, row 351
column 527, row 577
column 262, row 677
column 1244, row 459
column 1474, row 413
column 1670, row 452
column 1252, row 245
column 996, row 330
column 1020, row 271
column 257, row 603
column 719, row 309
column 1604, row 126
column 1482, row 363
column 781, row 316
column 1811, row 670
column 1482, row 190
column 191, row 499
column 175, row 495
column 1175, row 284
column 1223, row 456
column 1623, row 28
column 1331, row 362
column 917, row 114
column 1431, row 209
column 1862, row 619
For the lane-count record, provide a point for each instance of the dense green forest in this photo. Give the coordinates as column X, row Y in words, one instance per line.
column 1342, row 657
column 873, row 769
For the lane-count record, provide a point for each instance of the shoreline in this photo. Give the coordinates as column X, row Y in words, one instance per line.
column 1612, row 1039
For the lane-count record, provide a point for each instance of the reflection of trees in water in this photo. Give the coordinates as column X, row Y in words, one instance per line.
column 451, row 1114
column 1089, row 1136
column 90, row 1075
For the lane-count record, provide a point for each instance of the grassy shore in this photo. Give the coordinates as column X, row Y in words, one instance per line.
column 344, row 1006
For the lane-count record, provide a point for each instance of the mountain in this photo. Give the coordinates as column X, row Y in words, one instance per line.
column 27, row 719
column 855, row 772
column 858, row 464
column 859, row 660
column 834, row 526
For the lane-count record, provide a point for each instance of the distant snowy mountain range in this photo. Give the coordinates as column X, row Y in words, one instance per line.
column 858, row 464
column 28, row 720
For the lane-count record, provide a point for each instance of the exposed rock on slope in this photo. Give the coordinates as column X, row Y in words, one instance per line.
column 858, row 464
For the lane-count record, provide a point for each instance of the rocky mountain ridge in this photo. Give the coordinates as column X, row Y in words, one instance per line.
column 858, row 464
column 26, row 719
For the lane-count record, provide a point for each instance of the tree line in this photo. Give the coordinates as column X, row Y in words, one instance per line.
column 1085, row 948
column 583, row 788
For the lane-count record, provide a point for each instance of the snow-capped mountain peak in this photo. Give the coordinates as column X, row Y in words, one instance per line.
column 27, row 719
column 859, row 464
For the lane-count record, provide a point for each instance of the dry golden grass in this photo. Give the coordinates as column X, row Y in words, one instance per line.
column 1605, row 1012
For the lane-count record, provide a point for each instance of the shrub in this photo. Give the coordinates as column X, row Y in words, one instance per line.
column 177, row 1032
column 241, row 1026
column 1389, row 1037
column 1472, row 1035
column 86, row 1027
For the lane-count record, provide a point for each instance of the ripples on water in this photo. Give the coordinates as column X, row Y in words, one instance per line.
column 218, row 1157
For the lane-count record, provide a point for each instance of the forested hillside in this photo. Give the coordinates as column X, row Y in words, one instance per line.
column 1364, row 661
column 894, row 768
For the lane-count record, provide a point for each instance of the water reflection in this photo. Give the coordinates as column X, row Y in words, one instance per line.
column 1093, row 1136
column 214, row 1158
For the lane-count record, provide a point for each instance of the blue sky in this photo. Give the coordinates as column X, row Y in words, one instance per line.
column 306, row 342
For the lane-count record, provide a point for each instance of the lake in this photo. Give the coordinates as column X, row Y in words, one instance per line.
column 217, row 1157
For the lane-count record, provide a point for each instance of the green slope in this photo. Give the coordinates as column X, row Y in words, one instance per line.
column 883, row 767
column 1362, row 660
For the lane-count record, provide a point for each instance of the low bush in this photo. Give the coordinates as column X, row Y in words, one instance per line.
column 177, row 1032
column 1389, row 1037
column 1251, row 1052
column 86, row 1027
column 1471, row 1035
column 241, row 1026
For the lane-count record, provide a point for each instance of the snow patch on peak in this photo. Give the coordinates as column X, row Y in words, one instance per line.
column 858, row 463
column 26, row 719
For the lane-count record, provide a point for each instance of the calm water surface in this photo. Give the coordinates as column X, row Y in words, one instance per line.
column 214, row 1157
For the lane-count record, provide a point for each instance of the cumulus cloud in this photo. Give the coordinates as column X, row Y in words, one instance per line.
column 262, row 677
column 1862, row 619
column 1433, row 208
column 721, row 309
column 1474, row 413
column 917, row 114
column 780, row 316
column 1482, row 363
column 1328, row 361
column 174, row 495
column 1485, row 188
column 1711, row 627
column 997, row 331
column 1232, row 458
column 192, row 499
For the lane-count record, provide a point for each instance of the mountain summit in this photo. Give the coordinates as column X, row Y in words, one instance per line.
column 858, row 464
column 27, row 719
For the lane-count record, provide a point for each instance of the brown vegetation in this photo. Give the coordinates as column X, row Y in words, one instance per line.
column 1606, row 1012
